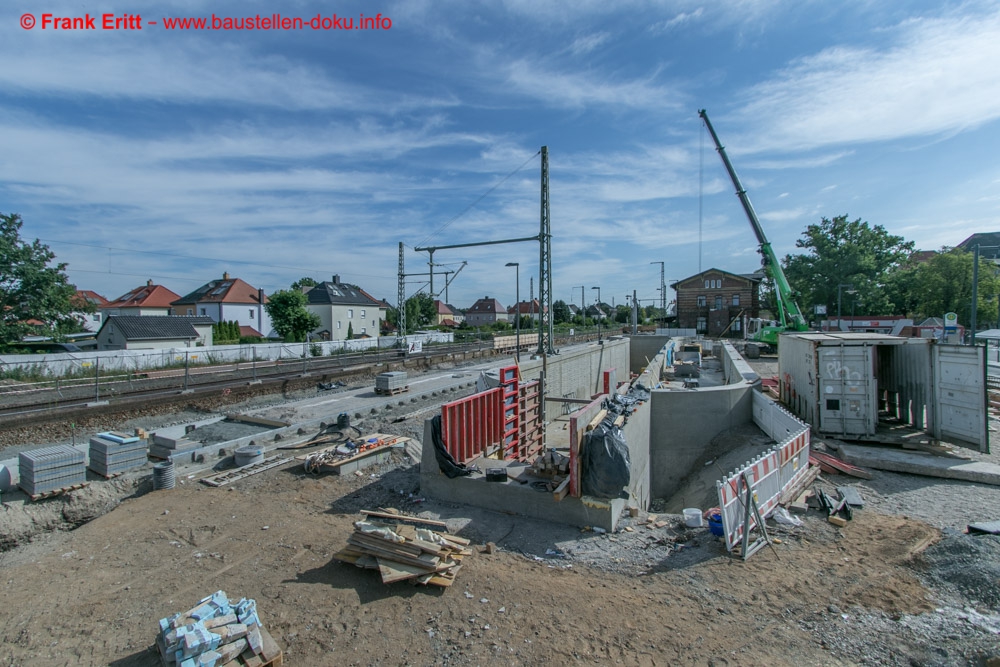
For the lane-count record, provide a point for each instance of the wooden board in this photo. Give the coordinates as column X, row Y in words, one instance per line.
column 561, row 490
column 437, row 526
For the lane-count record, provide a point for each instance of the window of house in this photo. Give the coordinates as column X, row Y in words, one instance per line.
column 708, row 284
column 736, row 324
column 191, row 311
column 363, row 314
column 373, row 321
column 365, row 329
column 251, row 313
column 97, row 317
column 350, row 313
column 718, row 303
column 203, row 311
column 338, row 324
column 702, row 325
column 701, row 301
column 736, row 299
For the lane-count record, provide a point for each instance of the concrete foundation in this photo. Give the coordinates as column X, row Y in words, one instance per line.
column 578, row 373
column 683, row 423
column 642, row 350
column 511, row 496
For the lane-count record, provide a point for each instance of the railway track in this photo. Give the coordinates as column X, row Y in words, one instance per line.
column 116, row 392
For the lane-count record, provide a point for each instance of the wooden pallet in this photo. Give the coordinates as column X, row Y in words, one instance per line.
column 56, row 492
column 240, row 473
column 391, row 392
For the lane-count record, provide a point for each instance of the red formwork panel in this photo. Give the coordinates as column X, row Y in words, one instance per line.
column 474, row 425
column 509, row 380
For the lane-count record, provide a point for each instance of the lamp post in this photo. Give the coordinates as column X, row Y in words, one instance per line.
column 597, row 313
column 840, row 323
column 517, row 307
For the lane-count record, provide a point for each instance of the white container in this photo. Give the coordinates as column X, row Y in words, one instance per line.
column 692, row 517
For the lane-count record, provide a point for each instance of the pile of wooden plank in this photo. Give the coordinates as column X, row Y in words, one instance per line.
column 217, row 633
column 405, row 548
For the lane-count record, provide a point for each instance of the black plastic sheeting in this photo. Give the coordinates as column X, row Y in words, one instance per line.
column 448, row 465
column 606, row 466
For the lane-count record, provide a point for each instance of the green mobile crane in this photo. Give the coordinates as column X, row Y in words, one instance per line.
column 760, row 333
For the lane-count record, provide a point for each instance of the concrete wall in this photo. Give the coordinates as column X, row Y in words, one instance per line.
column 578, row 373
column 734, row 367
column 636, row 432
column 682, row 423
column 642, row 349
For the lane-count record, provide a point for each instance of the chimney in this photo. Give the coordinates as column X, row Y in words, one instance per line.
column 225, row 275
column 336, row 279
column 149, row 282
column 260, row 295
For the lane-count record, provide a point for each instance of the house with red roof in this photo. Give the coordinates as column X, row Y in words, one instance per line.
column 89, row 321
column 228, row 300
column 149, row 299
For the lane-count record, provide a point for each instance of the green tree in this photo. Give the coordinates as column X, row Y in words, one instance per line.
column 943, row 284
column 560, row 312
column 289, row 316
column 30, row 289
column 420, row 311
column 623, row 314
column 350, row 331
column 303, row 282
column 846, row 252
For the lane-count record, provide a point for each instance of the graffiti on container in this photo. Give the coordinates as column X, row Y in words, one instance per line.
column 838, row 369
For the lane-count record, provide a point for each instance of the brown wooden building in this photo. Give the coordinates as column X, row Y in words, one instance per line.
column 717, row 303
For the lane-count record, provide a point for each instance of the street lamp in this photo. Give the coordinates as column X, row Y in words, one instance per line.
column 851, row 290
column 517, row 307
column 597, row 313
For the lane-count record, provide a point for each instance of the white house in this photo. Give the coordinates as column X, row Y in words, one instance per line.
column 342, row 307
column 228, row 300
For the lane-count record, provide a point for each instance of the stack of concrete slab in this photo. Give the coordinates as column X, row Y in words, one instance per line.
column 50, row 469
column 112, row 453
column 391, row 382
column 163, row 447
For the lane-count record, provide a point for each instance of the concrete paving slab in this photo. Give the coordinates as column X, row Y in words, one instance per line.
column 916, row 463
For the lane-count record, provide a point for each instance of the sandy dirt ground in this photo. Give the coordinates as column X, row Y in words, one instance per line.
column 93, row 596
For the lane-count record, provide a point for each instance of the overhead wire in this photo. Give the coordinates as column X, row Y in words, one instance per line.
column 479, row 199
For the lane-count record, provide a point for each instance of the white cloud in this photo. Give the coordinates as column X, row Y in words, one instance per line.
column 939, row 75
column 581, row 89
column 678, row 20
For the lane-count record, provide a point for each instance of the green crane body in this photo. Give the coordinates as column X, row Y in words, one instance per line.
column 789, row 315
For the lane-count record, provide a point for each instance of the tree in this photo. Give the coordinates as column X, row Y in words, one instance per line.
column 350, row 331
column 30, row 289
column 623, row 314
column 420, row 311
column 852, row 253
column 560, row 312
column 289, row 316
column 943, row 284
column 303, row 282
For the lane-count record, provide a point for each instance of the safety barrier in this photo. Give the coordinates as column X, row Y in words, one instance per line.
column 769, row 474
column 473, row 426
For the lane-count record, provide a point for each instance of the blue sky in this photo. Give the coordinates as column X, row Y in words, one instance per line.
column 177, row 155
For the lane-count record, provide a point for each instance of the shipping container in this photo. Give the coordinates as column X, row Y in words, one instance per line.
column 856, row 385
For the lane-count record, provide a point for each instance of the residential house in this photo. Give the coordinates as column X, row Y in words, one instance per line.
column 228, row 300
column 149, row 299
column 596, row 312
column 988, row 242
column 341, row 307
column 530, row 309
column 443, row 314
column 485, row 312
column 717, row 303
column 456, row 314
column 89, row 321
column 153, row 332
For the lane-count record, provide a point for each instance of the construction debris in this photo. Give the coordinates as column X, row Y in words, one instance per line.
column 402, row 552
column 217, row 633
column 231, row 476
column 349, row 451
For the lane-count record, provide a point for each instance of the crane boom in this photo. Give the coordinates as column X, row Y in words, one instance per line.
column 788, row 311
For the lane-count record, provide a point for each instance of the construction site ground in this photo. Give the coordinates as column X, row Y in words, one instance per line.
column 89, row 574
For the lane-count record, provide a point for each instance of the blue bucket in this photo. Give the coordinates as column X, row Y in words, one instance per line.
column 715, row 525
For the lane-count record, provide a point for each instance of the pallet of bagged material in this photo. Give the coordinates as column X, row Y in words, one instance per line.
column 218, row 633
